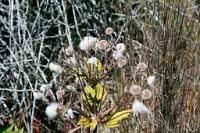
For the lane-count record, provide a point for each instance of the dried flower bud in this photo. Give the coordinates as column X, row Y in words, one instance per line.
column 109, row 31
column 69, row 51
column 121, row 63
column 146, row 94
column 60, row 93
column 135, row 89
column 102, row 45
column 141, row 66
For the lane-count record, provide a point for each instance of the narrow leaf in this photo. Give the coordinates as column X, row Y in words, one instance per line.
column 94, row 124
column 116, row 117
column 100, row 92
column 112, row 124
column 84, row 122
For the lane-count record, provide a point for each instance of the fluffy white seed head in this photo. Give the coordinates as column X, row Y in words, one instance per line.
column 120, row 47
column 118, row 55
column 93, row 61
column 45, row 87
column 135, row 90
column 39, row 96
column 52, row 110
column 139, row 107
column 88, row 43
column 70, row 113
column 55, row 67
column 151, row 80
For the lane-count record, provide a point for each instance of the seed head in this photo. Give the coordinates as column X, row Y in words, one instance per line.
column 146, row 94
column 135, row 90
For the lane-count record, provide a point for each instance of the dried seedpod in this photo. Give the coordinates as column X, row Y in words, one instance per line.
column 121, row 63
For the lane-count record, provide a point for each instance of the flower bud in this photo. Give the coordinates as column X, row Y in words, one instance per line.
column 146, row 94
column 135, row 89
column 69, row 51
column 121, row 63
column 141, row 67
column 60, row 93
column 102, row 45
column 109, row 31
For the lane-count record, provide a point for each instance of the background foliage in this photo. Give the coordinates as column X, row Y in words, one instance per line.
column 164, row 34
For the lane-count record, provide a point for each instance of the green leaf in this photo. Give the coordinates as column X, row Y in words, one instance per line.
column 9, row 129
column 113, row 121
column 100, row 92
column 113, row 124
column 21, row 130
column 99, row 65
column 88, row 91
column 93, row 124
column 94, row 68
column 86, row 123
column 94, row 96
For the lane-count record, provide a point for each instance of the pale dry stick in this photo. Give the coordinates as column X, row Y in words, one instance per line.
column 195, row 7
column 80, row 14
column 32, row 54
column 12, row 90
column 19, row 27
column 67, row 29
column 75, row 129
column 61, row 40
column 15, row 56
column 11, row 6
column 179, row 11
column 20, row 67
column 19, row 21
column 36, row 81
column 37, row 17
column 76, row 24
column 24, row 73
